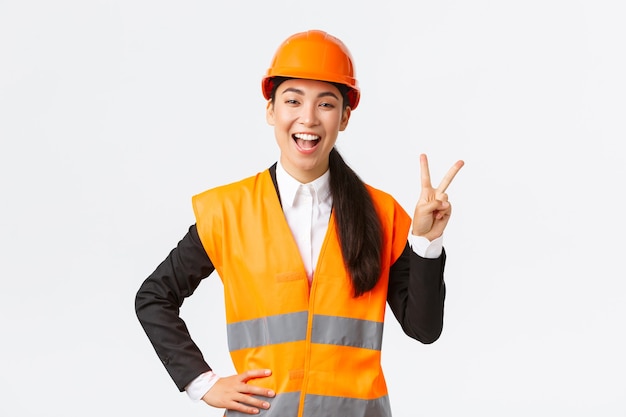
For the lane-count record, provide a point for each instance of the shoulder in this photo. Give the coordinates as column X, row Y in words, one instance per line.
column 233, row 189
column 381, row 198
column 386, row 205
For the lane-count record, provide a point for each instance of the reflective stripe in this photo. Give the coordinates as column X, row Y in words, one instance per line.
column 320, row 405
column 282, row 405
column 269, row 330
column 342, row 331
column 291, row 327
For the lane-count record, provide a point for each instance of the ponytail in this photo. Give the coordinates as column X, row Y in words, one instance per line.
column 358, row 225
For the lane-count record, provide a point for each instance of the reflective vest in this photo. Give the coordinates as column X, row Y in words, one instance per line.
column 322, row 344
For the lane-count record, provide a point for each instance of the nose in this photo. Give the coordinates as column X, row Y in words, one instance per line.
column 308, row 116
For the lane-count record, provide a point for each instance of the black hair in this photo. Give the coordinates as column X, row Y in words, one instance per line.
column 358, row 224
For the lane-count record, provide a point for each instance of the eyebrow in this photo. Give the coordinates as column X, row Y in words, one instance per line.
column 298, row 91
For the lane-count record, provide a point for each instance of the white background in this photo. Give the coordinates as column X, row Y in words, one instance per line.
column 114, row 113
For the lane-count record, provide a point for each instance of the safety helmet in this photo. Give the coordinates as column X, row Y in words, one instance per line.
column 313, row 55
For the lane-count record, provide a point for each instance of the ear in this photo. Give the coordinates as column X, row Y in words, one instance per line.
column 269, row 113
column 345, row 117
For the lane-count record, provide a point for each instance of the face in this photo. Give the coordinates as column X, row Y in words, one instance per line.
column 307, row 116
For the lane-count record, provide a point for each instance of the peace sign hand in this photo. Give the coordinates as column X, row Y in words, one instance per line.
column 433, row 210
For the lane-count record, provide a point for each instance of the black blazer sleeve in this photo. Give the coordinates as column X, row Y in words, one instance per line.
column 416, row 294
column 158, row 302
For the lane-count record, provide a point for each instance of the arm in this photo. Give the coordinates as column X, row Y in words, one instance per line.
column 416, row 286
column 416, row 294
column 158, row 303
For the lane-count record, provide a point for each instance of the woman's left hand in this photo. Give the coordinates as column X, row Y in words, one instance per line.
column 433, row 209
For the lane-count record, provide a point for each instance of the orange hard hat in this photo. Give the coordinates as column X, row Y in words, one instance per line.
column 313, row 55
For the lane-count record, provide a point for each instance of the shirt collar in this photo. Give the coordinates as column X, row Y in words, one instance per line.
column 288, row 186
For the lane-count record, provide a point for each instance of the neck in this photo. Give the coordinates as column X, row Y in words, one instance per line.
column 304, row 176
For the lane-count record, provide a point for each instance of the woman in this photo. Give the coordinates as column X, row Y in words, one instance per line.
column 309, row 256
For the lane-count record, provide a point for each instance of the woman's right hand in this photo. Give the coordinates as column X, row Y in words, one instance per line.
column 233, row 392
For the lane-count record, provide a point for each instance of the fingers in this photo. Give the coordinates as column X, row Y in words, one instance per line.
column 435, row 208
column 247, row 404
column 431, row 217
column 445, row 211
column 447, row 179
column 254, row 373
column 253, row 389
column 245, row 400
column 425, row 172
column 234, row 393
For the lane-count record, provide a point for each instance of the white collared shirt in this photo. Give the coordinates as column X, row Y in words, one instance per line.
column 307, row 209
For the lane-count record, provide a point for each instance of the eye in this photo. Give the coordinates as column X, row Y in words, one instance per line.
column 292, row 101
column 327, row 105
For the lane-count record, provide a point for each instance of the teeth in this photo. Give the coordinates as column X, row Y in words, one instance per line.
column 306, row 136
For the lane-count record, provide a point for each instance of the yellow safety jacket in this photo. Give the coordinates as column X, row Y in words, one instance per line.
column 322, row 345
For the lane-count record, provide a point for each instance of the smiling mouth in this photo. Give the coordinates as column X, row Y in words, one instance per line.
column 306, row 140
